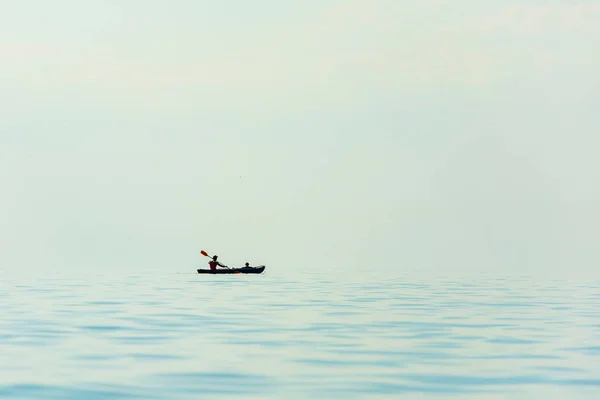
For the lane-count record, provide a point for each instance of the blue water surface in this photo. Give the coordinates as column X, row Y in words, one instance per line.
column 306, row 336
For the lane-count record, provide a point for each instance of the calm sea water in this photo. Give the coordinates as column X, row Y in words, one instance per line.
column 271, row 336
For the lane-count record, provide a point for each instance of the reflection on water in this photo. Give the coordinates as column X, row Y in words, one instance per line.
column 190, row 336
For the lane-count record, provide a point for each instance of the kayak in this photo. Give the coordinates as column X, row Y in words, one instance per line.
column 243, row 270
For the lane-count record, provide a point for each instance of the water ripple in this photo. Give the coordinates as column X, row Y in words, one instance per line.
column 184, row 336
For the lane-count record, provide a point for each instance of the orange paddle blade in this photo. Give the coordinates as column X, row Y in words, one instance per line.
column 204, row 253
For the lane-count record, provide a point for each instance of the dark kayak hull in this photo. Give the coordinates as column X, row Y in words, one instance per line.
column 243, row 270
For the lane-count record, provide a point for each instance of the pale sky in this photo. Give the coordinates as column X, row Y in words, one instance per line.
column 417, row 135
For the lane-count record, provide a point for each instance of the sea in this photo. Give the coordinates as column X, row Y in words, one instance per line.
column 297, row 335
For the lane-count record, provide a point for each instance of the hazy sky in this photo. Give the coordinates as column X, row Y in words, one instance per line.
column 423, row 135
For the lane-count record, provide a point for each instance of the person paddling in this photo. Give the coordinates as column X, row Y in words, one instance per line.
column 214, row 264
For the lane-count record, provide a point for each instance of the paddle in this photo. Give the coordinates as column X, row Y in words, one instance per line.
column 206, row 254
